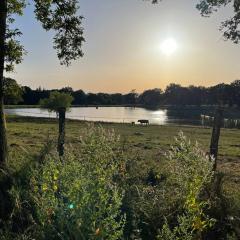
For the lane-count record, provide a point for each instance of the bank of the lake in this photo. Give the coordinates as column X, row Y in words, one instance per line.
column 165, row 115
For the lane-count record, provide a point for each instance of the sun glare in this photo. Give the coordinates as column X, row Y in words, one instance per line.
column 168, row 46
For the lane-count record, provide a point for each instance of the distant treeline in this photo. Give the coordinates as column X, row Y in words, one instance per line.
column 174, row 94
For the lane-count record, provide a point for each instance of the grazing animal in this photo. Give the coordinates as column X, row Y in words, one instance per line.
column 143, row 121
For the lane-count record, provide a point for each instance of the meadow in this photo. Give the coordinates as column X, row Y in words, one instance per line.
column 28, row 135
column 151, row 185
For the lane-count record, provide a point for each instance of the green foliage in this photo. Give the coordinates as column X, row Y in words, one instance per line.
column 14, row 49
column 191, row 171
column 12, row 91
column 152, row 201
column 190, row 168
column 16, row 6
column 182, row 232
column 14, row 54
column 59, row 16
column 230, row 27
column 151, row 97
column 78, row 198
column 173, row 193
column 57, row 101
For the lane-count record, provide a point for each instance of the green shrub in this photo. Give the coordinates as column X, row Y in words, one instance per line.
column 86, row 194
column 78, row 198
column 190, row 173
column 75, row 197
column 170, row 198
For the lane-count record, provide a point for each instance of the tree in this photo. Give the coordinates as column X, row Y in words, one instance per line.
column 59, row 103
column 221, row 94
column 116, row 98
column 57, row 15
column 79, row 97
column 131, row 98
column 235, row 86
column 3, row 137
column 92, row 99
column 66, row 90
column 12, row 91
column 175, row 94
column 230, row 27
column 151, row 97
column 196, row 95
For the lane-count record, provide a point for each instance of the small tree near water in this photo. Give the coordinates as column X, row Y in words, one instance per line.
column 59, row 103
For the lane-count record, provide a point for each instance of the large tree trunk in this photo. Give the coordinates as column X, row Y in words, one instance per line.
column 3, row 137
column 61, row 136
column 5, row 180
column 217, row 124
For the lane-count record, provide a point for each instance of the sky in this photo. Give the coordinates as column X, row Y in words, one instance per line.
column 123, row 48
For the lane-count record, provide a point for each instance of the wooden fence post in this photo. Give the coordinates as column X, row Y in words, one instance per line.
column 61, row 135
column 217, row 124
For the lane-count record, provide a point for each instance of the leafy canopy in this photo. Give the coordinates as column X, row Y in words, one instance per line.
column 230, row 27
column 57, row 101
column 12, row 91
column 59, row 16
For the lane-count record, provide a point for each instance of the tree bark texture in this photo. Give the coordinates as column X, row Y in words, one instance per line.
column 3, row 137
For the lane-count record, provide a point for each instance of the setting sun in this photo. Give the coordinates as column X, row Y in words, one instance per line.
column 168, row 46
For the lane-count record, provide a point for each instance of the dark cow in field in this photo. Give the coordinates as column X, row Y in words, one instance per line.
column 143, row 122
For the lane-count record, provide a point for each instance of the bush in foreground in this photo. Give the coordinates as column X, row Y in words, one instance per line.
column 190, row 174
column 78, row 197
column 170, row 202
column 87, row 194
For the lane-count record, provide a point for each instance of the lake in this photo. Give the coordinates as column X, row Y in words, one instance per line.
column 162, row 116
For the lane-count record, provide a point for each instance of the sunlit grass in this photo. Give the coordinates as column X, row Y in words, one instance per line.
column 27, row 136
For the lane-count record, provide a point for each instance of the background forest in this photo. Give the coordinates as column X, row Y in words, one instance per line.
column 174, row 94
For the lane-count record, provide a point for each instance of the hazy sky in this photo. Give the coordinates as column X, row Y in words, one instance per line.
column 122, row 49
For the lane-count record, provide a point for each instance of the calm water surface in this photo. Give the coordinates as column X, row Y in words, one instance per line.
column 118, row 114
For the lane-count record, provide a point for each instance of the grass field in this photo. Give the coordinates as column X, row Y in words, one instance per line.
column 27, row 136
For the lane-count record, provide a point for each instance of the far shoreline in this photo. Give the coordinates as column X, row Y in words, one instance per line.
column 127, row 105
column 17, row 118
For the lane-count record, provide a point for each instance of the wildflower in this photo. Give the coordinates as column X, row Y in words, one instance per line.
column 55, row 175
column 198, row 224
column 44, row 187
column 97, row 232
column 49, row 211
column 55, row 187
column 35, row 188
